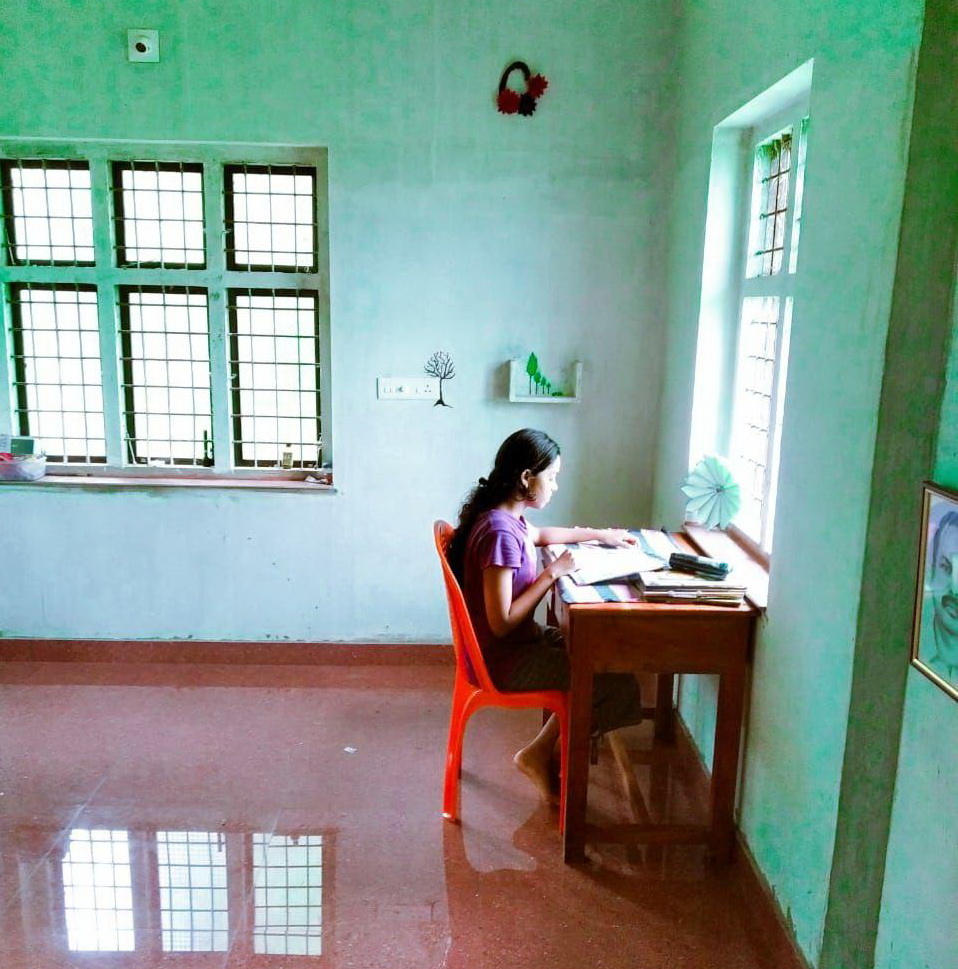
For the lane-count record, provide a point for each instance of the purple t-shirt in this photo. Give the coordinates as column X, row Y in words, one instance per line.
column 498, row 538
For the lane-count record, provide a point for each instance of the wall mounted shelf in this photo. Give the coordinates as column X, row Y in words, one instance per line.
column 519, row 385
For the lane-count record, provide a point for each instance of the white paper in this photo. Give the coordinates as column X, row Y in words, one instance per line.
column 599, row 563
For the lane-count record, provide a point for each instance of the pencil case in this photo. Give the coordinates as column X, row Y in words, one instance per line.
column 698, row 565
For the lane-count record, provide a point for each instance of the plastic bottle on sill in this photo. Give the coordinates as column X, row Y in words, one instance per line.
column 287, row 461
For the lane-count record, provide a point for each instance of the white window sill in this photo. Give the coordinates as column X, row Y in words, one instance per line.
column 133, row 483
column 748, row 563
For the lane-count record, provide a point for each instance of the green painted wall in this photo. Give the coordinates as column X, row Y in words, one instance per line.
column 917, row 913
column 450, row 227
column 864, row 64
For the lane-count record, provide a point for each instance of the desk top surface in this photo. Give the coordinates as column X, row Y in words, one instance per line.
column 626, row 594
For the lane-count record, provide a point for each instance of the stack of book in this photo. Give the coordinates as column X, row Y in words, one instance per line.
column 669, row 585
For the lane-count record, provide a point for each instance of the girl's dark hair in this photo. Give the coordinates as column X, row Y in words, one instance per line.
column 523, row 450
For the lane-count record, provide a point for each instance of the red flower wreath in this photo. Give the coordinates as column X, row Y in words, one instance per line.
column 512, row 102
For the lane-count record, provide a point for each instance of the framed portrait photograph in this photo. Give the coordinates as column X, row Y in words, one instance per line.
column 934, row 640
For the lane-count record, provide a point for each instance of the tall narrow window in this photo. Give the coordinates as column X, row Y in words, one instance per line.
column 767, row 293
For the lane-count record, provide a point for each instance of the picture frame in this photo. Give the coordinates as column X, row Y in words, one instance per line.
column 934, row 640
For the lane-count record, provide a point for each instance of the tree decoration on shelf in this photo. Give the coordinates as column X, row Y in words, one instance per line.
column 542, row 383
column 440, row 365
column 509, row 101
column 714, row 495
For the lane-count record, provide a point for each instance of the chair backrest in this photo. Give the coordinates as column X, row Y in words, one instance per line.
column 464, row 639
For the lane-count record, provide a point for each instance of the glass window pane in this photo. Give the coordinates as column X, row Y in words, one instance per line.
column 57, row 379
column 271, row 218
column 49, row 212
column 275, row 355
column 166, row 372
column 158, row 209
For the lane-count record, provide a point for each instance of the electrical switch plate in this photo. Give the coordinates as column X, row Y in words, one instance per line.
column 407, row 388
column 142, row 45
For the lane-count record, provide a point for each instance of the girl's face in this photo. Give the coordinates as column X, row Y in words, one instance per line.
column 543, row 486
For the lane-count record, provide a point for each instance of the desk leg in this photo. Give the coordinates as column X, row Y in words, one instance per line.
column 664, row 714
column 728, row 734
column 577, row 779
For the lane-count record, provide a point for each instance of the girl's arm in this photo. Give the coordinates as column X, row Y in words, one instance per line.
column 505, row 613
column 618, row 537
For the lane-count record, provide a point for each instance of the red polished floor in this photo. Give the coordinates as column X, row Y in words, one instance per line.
column 289, row 816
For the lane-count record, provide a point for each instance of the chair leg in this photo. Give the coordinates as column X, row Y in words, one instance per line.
column 457, row 729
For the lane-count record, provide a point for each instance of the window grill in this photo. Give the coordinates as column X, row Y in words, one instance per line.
column 56, row 364
column 97, row 891
column 271, row 218
column 773, row 167
column 48, row 212
column 754, row 407
column 164, row 336
column 158, row 214
column 132, row 337
column 194, row 914
column 275, row 370
column 287, row 895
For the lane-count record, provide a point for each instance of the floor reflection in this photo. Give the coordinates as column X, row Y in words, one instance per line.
column 205, row 817
column 155, row 891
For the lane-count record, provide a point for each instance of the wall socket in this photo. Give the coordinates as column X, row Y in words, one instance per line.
column 142, row 45
column 407, row 388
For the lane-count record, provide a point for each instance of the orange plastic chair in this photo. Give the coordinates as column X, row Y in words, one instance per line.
column 467, row 697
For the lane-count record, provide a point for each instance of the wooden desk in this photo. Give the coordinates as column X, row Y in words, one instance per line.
column 665, row 639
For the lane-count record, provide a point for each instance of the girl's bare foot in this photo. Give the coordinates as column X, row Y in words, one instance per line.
column 536, row 768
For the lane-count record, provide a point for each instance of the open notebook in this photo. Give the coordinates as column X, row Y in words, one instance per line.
column 598, row 563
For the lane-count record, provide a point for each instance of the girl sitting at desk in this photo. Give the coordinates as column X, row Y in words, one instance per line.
column 493, row 555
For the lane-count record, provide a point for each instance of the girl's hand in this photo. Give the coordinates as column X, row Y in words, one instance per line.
column 561, row 566
column 616, row 537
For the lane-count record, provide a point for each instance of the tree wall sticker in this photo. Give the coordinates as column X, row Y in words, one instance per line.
column 440, row 365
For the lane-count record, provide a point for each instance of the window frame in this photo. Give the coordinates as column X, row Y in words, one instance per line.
column 107, row 275
column 781, row 286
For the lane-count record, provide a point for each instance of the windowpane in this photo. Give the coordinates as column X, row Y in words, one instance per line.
column 194, row 913
column 271, row 218
column 288, row 895
column 752, row 431
column 770, row 190
column 274, row 362
column 57, row 380
column 48, row 211
column 158, row 210
column 166, row 375
column 97, row 892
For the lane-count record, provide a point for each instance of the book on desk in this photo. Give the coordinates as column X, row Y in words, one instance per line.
column 644, row 567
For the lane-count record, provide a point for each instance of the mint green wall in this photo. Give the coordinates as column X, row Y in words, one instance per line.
column 917, row 914
column 450, row 227
column 917, row 927
column 864, row 62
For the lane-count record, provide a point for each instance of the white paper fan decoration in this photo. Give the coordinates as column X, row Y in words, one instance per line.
column 714, row 496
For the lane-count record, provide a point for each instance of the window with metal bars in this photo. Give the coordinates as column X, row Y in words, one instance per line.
column 166, row 310
column 766, row 309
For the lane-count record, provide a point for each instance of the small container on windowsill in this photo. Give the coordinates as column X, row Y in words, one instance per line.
column 23, row 467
